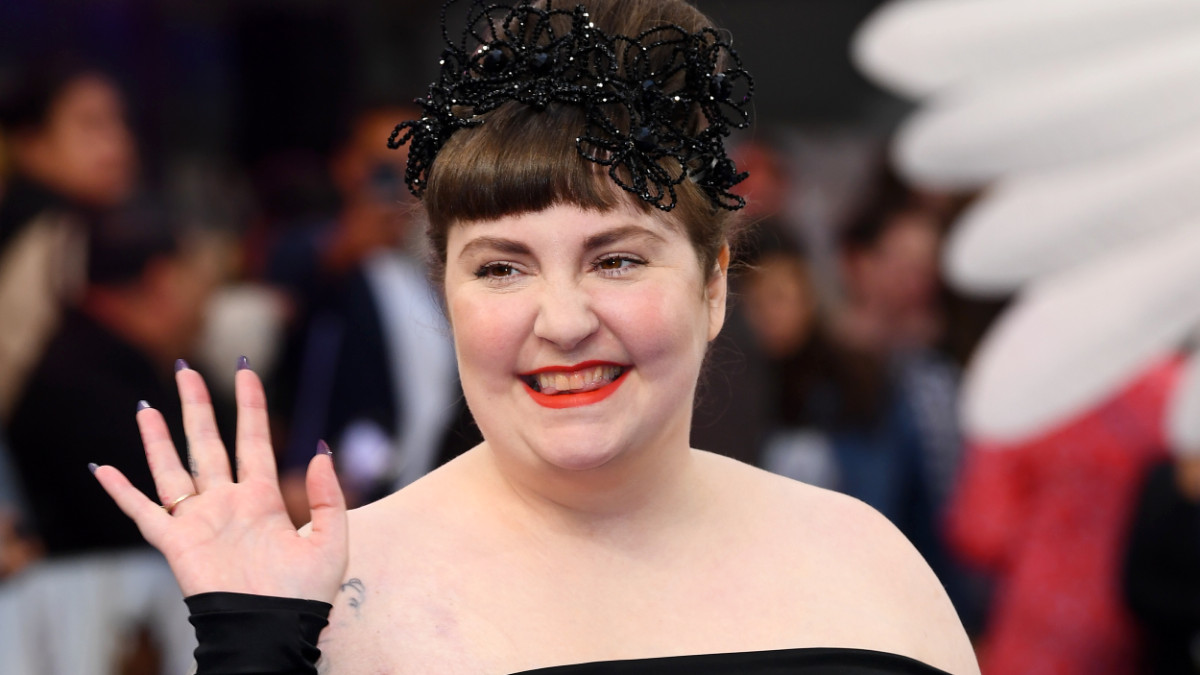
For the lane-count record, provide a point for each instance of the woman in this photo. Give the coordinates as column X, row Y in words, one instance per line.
column 575, row 210
column 71, row 154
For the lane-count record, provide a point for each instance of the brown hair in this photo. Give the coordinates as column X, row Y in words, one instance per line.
column 521, row 160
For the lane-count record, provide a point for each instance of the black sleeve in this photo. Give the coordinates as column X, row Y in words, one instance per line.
column 242, row 634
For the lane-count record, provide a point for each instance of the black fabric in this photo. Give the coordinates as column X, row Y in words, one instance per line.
column 241, row 634
column 78, row 407
column 336, row 362
column 24, row 200
column 1162, row 572
column 344, row 366
column 813, row 661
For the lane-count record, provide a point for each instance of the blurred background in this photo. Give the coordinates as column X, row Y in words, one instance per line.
column 204, row 180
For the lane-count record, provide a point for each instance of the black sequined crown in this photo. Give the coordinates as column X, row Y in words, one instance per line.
column 638, row 115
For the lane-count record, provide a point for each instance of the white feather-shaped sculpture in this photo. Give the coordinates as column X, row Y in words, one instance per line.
column 1080, row 120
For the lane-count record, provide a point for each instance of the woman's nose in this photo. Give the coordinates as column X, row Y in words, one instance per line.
column 565, row 316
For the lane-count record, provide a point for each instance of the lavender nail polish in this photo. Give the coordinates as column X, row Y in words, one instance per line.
column 92, row 467
column 323, row 449
column 142, row 405
column 243, row 363
column 180, row 364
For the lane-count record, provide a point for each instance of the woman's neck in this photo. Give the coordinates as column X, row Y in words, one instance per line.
column 635, row 492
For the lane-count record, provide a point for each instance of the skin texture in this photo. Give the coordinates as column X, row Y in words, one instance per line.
column 570, row 535
column 230, row 521
column 556, row 305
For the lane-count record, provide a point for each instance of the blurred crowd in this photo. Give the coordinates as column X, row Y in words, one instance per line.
column 1074, row 552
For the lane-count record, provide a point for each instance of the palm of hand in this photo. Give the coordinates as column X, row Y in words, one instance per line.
column 233, row 537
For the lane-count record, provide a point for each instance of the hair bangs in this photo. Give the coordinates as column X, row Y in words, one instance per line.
column 519, row 160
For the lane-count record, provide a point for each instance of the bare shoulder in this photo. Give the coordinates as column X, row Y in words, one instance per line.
column 397, row 581
column 410, row 522
column 862, row 566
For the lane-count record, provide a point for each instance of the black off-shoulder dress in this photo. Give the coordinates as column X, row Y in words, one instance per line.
column 252, row 634
column 780, row 662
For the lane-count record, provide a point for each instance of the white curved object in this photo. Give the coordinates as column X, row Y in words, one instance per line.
column 918, row 47
column 1070, row 111
column 1183, row 413
column 1040, row 223
column 1072, row 339
column 1081, row 119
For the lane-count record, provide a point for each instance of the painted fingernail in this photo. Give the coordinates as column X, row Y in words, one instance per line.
column 180, row 364
column 92, row 467
column 142, row 405
column 243, row 363
column 323, row 449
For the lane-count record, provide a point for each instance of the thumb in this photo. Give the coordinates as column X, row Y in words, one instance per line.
column 326, row 501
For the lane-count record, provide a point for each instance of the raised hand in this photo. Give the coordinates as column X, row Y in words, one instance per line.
column 219, row 535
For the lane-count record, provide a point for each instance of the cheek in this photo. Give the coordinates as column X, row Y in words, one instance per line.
column 488, row 331
column 657, row 327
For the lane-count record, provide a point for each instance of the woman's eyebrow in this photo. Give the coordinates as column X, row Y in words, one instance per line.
column 609, row 237
column 495, row 244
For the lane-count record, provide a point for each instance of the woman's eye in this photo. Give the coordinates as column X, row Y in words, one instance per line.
column 616, row 263
column 496, row 271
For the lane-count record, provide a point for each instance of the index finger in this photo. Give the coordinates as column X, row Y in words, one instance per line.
column 255, row 457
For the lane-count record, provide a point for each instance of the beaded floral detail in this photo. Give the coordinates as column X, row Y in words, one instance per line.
column 641, row 118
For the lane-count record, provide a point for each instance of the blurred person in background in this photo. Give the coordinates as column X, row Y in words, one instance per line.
column 100, row 584
column 18, row 544
column 893, row 311
column 18, row 549
column 732, row 415
column 67, row 154
column 890, row 265
column 1162, row 563
column 363, row 300
column 837, row 421
column 70, row 152
column 1047, row 518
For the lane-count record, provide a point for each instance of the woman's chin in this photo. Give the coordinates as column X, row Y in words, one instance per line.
column 578, row 459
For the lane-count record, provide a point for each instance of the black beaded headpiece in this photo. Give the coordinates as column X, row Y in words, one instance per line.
column 637, row 115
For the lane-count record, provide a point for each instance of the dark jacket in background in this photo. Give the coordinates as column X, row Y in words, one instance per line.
column 1162, row 573
column 78, row 407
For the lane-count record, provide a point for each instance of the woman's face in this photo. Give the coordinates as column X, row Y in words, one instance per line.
column 85, row 148
column 579, row 334
column 779, row 305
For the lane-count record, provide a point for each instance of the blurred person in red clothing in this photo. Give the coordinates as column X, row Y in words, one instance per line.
column 1047, row 517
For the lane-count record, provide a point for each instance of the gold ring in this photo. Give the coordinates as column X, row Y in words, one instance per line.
column 170, row 508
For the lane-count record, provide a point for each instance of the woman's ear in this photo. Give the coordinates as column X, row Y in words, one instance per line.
column 717, row 292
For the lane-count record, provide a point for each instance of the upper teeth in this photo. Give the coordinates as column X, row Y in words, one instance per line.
column 590, row 378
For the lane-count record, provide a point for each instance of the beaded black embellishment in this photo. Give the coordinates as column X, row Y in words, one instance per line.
column 637, row 116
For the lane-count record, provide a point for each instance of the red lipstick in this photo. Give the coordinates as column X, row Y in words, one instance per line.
column 572, row 400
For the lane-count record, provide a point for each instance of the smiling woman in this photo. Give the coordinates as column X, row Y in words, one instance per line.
column 612, row 302
column 572, row 164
